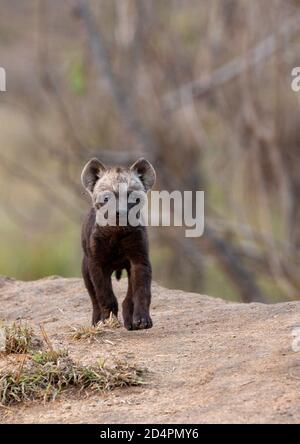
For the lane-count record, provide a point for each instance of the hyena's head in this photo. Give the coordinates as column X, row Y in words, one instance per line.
column 120, row 190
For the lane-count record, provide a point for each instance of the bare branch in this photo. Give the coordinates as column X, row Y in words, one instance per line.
column 122, row 102
column 258, row 55
column 231, row 263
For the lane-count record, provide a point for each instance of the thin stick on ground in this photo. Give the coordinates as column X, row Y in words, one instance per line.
column 20, row 369
column 46, row 337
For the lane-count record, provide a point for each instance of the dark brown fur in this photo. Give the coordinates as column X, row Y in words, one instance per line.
column 110, row 249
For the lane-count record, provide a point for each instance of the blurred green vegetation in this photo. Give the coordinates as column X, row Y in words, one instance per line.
column 77, row 80
column 53, row 252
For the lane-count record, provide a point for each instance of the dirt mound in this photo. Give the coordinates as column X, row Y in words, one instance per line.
column 209, row 360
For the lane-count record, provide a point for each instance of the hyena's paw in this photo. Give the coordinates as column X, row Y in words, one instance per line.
column 127, row 309
column 128, row 324
column 141, row 321
column 96, row 317
column 107, row 310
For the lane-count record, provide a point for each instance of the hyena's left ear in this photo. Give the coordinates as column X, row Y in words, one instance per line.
column 92, row 171
column 146, row 173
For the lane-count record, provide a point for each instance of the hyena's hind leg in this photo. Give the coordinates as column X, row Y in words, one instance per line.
column 127, row 306
column 96, row 317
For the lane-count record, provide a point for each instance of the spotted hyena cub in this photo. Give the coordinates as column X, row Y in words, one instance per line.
column 112, row 246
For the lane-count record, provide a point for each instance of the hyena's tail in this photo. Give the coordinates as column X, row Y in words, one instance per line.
column 118, row 274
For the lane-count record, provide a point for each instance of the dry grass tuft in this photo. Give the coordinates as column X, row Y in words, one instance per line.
column 18, row 338
column 44, row 374
column 94, row 332
column 36, row 381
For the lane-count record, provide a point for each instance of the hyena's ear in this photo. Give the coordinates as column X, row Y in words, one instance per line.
column 146, row 173
column 92, row 171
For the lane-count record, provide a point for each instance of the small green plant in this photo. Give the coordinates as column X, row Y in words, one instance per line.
column 44, row 356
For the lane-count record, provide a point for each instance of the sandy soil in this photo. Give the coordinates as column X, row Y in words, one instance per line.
column 209, row 360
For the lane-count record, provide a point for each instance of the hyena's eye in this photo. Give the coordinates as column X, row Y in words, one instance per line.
column 103, row 200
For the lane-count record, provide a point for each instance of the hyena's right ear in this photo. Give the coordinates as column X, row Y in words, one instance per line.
column 92, row 171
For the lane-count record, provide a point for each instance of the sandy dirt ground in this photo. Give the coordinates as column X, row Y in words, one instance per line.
column 209, row 361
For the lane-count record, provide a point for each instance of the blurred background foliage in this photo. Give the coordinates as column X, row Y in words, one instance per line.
column 200, row 88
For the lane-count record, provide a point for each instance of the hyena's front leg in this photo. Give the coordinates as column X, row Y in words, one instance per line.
column 106, row 299
column 91, row 290
column 141, row 295
column 127, row 305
